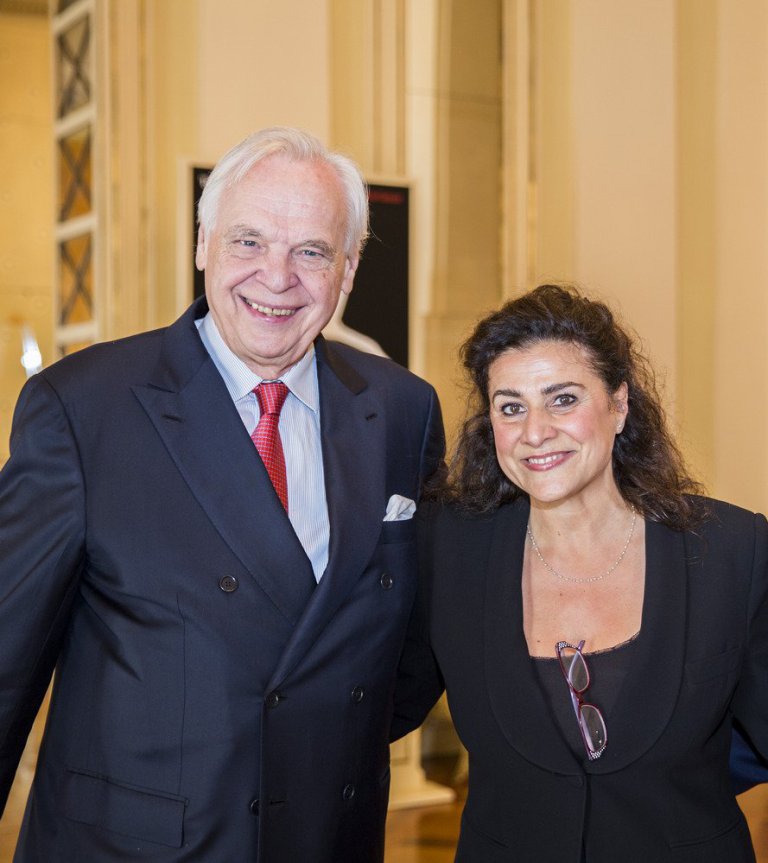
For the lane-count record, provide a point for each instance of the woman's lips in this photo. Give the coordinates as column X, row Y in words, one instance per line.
column 546, row 462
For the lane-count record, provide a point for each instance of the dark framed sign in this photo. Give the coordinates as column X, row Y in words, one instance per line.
column 200, row 175
column 378, row 306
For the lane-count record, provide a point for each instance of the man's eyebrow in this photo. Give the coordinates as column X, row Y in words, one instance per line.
column 243, row 230
column 321, row 245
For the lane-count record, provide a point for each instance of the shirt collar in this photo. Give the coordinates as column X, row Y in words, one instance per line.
column 301, row 378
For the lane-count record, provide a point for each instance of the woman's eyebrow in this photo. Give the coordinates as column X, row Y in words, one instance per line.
column 545, row 391
column 555, row 388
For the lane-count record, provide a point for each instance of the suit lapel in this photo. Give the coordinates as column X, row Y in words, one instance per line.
column 354, row 444
column 190, row 408
column 649, row 693
column 354, row 451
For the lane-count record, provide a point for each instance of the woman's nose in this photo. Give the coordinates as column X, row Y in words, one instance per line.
column 537, row 427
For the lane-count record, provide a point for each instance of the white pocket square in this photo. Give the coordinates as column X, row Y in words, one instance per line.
column 400, row 508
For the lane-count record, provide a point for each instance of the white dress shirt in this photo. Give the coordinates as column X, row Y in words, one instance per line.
column 299, row 433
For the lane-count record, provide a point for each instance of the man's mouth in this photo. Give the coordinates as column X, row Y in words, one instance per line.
column 269, row 310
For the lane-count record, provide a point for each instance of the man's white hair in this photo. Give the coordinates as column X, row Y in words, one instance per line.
column 296, row 145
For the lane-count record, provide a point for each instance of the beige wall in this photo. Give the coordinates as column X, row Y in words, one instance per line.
column 697, row 231
column 261, row 63
column 467, row 211
column 26, row 201
column 218, row 69
column 738, row 353
column 619, row 145
column 647, row 153
column 172, row 39
column 604, row 139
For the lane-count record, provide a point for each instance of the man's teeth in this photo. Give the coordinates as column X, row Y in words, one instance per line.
column 268, row 310
column 545, row 459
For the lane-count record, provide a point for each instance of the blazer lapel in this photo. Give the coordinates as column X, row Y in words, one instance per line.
column 517, row 699
column 190, row 408
column 648, row 695
column 354, row 453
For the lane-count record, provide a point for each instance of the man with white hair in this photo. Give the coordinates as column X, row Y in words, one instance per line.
column 206, row 531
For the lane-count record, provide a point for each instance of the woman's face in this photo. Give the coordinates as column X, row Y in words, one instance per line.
column 554, row 422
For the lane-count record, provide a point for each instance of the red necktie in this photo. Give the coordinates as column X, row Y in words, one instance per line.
column 266, row 435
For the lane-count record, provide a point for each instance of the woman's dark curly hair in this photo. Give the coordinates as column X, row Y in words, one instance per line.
column 647, row 465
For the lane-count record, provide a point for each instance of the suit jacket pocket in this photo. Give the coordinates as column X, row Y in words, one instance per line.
column 141, row 813
column 398, row 531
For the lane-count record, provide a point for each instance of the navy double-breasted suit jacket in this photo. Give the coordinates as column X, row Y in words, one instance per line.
column 210, row 702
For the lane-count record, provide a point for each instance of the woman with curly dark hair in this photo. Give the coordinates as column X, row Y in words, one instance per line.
column 597, row 625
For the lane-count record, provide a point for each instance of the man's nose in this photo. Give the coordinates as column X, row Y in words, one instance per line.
column 278, row 272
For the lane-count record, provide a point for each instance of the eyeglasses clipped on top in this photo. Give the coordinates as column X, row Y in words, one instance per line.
column 590, row 719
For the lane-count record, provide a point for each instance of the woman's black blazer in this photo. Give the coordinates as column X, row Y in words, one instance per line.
column 661, row 792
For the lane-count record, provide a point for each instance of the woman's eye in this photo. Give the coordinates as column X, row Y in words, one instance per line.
column 511, row 409
column 564, row 400
column 249, row 244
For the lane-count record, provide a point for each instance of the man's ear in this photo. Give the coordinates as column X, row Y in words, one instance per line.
column 350, row 268
column 201, row 252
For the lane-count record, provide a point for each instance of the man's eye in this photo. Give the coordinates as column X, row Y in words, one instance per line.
column 248, row 243
column 314, row 259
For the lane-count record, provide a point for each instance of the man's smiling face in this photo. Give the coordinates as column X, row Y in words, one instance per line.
column 275, row 261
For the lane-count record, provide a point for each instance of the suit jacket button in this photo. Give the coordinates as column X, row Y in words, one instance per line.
column 273, row 699
column 228, row 584
column 254, row 806
column 349, row 792
column 357, row 694
column 386, row 581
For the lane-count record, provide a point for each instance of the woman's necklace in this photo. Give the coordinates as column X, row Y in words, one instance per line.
column 594, row 577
